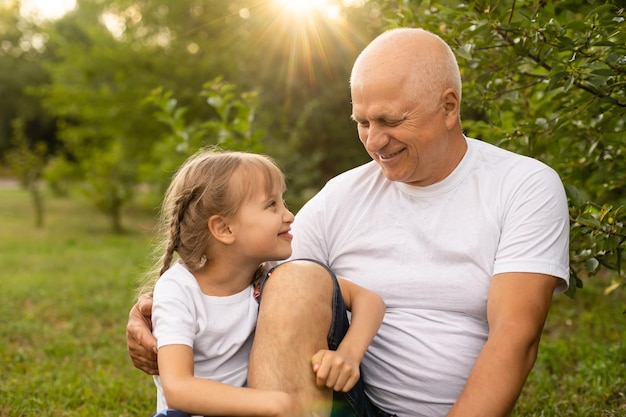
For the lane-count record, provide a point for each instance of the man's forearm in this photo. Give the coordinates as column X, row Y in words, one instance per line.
column 496, row 380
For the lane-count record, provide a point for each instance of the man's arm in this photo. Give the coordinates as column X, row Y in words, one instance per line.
column 517, row 307
column 142, row 346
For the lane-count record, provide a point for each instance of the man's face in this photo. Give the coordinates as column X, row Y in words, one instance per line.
column 406, row 135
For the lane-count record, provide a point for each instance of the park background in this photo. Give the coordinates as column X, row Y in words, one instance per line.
column 99, row 105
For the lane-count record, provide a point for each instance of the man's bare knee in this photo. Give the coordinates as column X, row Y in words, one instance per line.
column 298, row 294
column 307, row 280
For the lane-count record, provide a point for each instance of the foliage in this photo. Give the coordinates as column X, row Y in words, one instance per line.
column 108, row 56
column 547, row 79
column 92, row 94
column 22, row 68
column 231, row 126
column 110, row 181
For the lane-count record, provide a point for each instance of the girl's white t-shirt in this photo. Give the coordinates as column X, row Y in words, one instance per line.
column 219, row 329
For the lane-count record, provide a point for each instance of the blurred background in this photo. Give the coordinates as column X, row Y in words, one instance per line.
column 101, row 100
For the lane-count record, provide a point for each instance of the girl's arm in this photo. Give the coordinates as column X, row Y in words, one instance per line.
column 199, row 396
column 339, row 369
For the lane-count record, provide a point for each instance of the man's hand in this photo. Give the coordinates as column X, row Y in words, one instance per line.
column 142, row 346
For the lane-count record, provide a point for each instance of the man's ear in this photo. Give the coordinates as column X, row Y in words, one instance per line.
column 220, row 229
column 451, row 107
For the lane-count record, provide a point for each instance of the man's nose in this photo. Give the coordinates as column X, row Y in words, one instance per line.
column 376, row 138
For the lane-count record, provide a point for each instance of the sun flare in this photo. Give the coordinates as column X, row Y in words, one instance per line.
column 305, row 7
column 46, row 9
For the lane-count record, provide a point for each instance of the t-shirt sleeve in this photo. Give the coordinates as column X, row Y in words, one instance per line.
column 173, row 320
column 535, row 232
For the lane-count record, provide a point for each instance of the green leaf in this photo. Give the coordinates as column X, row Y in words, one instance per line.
column 592, row 265
column 587, row 219
column 465, row 51
column 575, row 195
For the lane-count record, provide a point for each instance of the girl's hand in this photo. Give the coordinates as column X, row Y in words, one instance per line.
column 285, row 404
column 334, row 370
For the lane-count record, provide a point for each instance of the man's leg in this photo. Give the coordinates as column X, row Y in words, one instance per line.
column 294, row 320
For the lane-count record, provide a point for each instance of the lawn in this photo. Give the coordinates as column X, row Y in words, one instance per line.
column 65, row 291
column 65, row 295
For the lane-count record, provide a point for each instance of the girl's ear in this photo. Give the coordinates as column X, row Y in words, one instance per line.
column 220, row 229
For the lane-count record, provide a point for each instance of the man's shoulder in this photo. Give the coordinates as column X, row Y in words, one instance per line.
column 357, row 175
column 348, row 188
column 496, row 157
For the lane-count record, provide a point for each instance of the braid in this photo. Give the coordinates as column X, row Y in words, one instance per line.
column 177, row 216
column 172, row 245
column 181, row 204
column 259, row 275
column 167, row 258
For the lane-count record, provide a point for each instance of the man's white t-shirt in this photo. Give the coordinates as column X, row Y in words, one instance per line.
column 430, row 252
column 219, row 329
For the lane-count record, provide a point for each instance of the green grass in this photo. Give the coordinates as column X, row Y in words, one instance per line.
column 581, row 368
column 65, row 291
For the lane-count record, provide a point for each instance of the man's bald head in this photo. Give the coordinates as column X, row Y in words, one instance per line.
column 408, row 58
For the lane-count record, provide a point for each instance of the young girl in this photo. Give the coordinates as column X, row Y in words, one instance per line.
column 223, row 216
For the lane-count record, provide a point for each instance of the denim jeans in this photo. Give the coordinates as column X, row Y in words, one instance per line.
column 170, row 412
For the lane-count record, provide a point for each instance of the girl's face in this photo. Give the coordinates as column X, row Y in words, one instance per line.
column 262, row 227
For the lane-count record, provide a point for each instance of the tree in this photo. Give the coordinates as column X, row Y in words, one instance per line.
column 22, row 55
column 27, row 162
column 109, row 55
